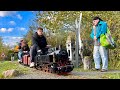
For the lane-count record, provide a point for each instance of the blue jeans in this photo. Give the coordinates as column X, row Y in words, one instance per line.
column 99, row 53
column 20, row 54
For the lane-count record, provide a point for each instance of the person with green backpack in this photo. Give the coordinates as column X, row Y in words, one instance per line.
column 99, row 52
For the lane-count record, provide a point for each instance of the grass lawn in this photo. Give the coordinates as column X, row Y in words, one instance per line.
column 8, row 65
column 110, row 75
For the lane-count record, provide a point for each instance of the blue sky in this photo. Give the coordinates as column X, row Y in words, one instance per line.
column 14, row 24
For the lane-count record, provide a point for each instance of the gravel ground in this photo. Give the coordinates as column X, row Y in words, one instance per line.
column 94, row 74
column 73, row 75
column 43, row 75
column 36, row 74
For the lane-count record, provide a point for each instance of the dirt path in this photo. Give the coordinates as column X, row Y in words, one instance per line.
column 35, row 74
column 75, row 74
column 93, row 74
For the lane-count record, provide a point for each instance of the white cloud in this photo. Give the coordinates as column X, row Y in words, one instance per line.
column 10, row 40
column 16, row 37
column 10, row 13
column 3, row 30
column 12, row 22
column 11, row 37
column 22, row 29
column 10, row 29
column 7, row 13
column 32, row 11
column 19, row 16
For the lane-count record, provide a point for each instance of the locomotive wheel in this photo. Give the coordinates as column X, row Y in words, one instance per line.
column 45, row 68
column 49, row 66
column 36, row 68
column 41, row 68
column 51, row 70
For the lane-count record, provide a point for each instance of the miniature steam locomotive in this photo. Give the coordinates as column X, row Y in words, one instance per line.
column 53, row 61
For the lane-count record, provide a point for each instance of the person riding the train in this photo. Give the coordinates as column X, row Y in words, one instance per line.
column 23, row 49
column 38, row 43
column 19, row 51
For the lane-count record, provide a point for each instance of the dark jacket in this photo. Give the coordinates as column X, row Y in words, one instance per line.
column 39, row 40
column 19, row 45
column 25, row 48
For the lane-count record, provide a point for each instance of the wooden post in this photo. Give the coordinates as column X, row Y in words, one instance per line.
column 87, row 63
column 77, row 45
column 78, row 40
column 53, row 57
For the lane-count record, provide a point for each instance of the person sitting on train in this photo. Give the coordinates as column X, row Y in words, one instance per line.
column 19, row 51
column 38, row 43
column 23, row 49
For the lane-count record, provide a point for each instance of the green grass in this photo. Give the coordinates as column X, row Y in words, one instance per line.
column 110, row 67
column 111, row 76
column 114, row 65
column 8, row 65
column 81, row 69
column 104, row 76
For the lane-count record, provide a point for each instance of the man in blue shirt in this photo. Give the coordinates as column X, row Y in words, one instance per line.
column 99, row 27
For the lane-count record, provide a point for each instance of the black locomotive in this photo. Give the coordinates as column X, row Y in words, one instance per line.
column 52, row 61
column 55, row 62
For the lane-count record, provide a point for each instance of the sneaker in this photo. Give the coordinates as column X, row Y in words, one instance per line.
column 104, row 70
column 31, row 64
column 95, row 69
column 19, row 61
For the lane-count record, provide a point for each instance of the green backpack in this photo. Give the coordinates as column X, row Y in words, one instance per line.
column 107, row 41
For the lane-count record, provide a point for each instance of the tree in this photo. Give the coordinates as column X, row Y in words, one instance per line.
column 28, row 36
column 3, row 48
column 1, row 45
column 62, row 22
